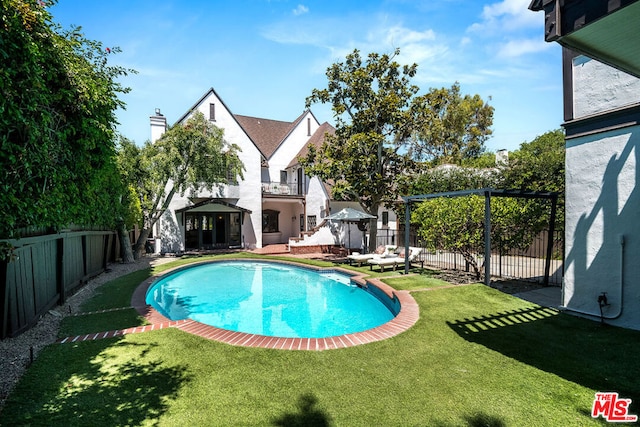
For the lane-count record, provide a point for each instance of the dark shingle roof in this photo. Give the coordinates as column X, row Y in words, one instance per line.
column 266, row 134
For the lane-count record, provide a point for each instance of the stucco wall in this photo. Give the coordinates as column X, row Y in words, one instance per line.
column 248, row 194
column 598, row 87
column 602, row 231
column 602, row 227
column 297, row 139
column 316, row 200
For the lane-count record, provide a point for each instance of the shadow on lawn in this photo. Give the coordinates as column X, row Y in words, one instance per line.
column 600, row 357
column 307, row 416
column 92, row 388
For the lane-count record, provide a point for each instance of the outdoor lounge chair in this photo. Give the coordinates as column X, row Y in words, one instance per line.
column 380, row 252
column 394, row 260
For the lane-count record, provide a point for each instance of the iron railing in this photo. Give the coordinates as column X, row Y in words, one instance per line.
column 525, row 265
column 280, row 189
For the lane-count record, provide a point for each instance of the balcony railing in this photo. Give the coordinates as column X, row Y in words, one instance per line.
column 279, row 189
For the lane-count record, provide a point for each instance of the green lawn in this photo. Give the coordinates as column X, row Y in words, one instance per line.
column 476, row 357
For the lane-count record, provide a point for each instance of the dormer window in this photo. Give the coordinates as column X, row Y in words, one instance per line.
column 212, row 112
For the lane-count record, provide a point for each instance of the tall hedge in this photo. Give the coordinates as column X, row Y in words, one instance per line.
column 58, row 97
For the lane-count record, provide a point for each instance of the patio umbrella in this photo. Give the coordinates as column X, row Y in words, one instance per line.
column 349, row 215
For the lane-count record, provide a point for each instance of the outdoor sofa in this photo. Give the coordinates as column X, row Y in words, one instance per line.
column 395, row 259
column 380, row 252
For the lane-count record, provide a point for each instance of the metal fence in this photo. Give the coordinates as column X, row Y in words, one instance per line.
column 44, row 270
column 525, row 265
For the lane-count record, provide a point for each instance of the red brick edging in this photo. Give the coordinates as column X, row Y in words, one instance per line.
column 406, row 318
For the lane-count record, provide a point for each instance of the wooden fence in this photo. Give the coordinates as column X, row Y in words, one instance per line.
column 45, row 270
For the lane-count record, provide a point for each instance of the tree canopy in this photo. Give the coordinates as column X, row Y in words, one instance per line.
column 457, row 224
column 57, row 128
column 450, row 127
column 538, row 165
column 380, row 125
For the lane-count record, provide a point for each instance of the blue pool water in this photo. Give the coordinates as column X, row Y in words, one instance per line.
column 268, row 299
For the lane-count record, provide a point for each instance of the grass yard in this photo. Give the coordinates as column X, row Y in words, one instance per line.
column 476, row 357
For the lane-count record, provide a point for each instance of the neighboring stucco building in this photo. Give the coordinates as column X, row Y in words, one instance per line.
column 601, row 67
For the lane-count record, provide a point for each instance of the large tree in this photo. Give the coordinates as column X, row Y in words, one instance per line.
column 189, row 157
column 371, row 102
column 58, row 96
column 379, row 119
column 539, row 164
column 451, row 128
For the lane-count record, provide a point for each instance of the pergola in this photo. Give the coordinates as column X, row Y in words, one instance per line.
column 487, row 193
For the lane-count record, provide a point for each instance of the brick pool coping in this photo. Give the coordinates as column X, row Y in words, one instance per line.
column 405, row 319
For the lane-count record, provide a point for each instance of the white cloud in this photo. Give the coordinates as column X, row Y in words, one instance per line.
column 516, row 48
column 507, row 15
column 415, row 46
column 300, row 10
column 403, row 36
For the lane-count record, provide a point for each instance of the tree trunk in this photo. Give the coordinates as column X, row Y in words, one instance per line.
column 154, row 216
column 469, row 258
column 125, row 244
column 139, row 247
column 373, row 233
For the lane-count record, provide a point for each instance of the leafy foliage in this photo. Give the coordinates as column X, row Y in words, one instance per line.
column 377, row 111
column 128, row 160
column 57, row 122
column 189, row 157
column 457, row 225
column 445, row 179
column 452, row 224
column 538, row 165
column 450, row 127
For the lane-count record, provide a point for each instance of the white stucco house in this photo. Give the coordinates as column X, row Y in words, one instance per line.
column 601, row 67
column 275, row 202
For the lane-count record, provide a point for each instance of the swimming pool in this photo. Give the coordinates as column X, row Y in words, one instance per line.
column 271, row 299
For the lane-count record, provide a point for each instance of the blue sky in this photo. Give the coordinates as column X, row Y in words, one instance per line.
column 264, row 57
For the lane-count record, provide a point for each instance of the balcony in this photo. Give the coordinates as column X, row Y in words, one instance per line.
column 279, row 189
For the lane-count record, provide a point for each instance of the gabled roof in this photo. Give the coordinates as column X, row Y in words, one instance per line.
column 201, row 100
column 316, row 140
column 266, row 134
column 198, row 102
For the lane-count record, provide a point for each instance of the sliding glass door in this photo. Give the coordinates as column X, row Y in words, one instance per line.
column 209, row 230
